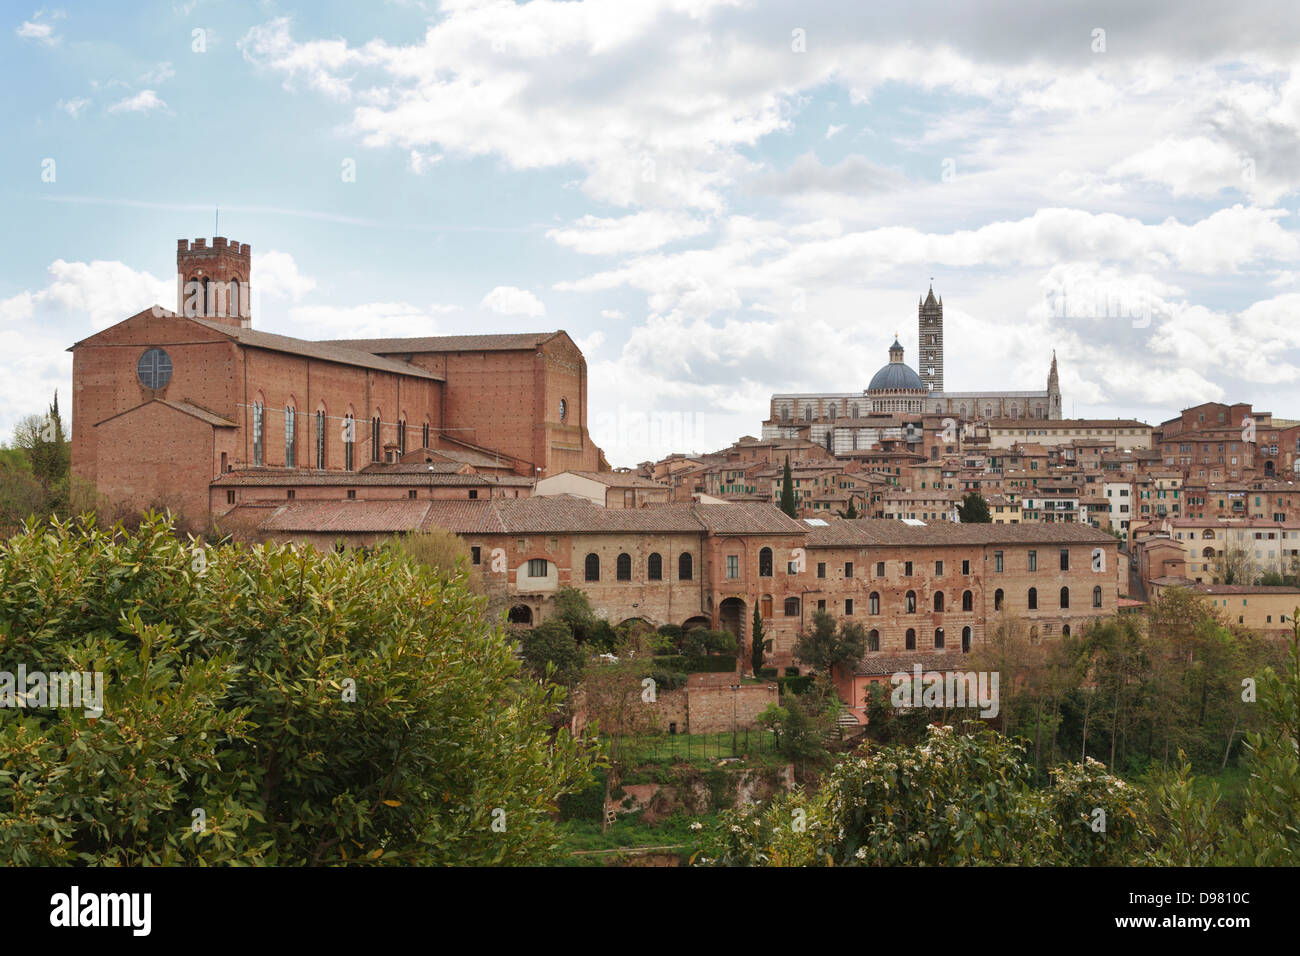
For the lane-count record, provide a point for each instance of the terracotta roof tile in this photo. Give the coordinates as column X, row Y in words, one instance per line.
column 508, row 341
column 325, row 351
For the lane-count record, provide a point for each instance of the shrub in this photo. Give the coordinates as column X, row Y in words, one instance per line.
column 228, row 687
column 552, row 645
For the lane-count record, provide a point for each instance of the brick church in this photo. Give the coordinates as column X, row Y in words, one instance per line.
column 179, row 409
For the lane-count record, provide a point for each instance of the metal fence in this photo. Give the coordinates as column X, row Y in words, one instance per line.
column 741, row 743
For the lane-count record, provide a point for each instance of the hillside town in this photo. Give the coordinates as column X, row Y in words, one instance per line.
column 349, row 443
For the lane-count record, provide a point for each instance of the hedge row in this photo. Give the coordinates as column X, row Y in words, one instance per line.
column 697, row 663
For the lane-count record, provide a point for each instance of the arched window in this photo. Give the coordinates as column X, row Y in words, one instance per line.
column 564, row 409
column 873, row 603
column 685, row 568
column 424, row 435
column 401, row 435
column 938, row 638
column 320, row 437
column 965, row 639
column 1207, row 553
column 911, row 602
column 1096, row 596
column 873, row 640
column 593, row 567
column 1065, row 597
column 938, row 600
column 349, row 441
column 655, row 567
column 376, row 437
column 968, row 600
column 910, row 640
column 1065, row 630
column 1033, row 599
column 997, row 600
column 290, row 437
column 792, row 607
column 624, row 567
column 258, row 429
column 765, row 563
column 235, row 304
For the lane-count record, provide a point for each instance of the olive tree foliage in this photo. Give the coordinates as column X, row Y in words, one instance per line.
column 443, row 551
column 266, row 705
column 956, row 799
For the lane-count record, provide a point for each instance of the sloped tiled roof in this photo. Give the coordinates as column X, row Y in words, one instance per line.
column 744, row 518
column 325, row 351
column 301, row 477
column 878, row 666
column 212, row 418
column 509, row 341
column 342, row 517
column 617, row 479
column 881, row 532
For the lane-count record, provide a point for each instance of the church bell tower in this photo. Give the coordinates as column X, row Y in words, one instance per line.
column 929, row 338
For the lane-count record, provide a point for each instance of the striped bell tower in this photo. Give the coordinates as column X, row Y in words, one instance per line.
column 929, row 340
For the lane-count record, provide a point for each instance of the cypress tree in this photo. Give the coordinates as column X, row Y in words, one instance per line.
column 787, row 490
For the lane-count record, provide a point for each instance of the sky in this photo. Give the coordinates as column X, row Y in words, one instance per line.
column 717, row 199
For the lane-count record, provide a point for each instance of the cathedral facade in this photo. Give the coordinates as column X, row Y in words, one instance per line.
column 847, row 421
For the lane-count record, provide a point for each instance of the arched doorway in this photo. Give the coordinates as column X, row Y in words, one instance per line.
column 697, row 621
column 520, row 614
column 1268, row 469
column 731, row 612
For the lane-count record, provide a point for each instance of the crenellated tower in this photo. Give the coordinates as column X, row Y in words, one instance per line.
column 212, row 282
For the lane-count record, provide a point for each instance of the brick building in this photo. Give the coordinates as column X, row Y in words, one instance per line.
column 915, row 587
column 165, row 404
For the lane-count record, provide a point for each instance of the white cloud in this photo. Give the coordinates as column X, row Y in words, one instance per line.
column 368, row 320
column 37, row 326
column 73, row 107
column 160, row 73
column 142, row 102
column 275, row 275
column 39, row 29
column 833, row 130
column 640, row 232
column 507, row 300
column 418, row 162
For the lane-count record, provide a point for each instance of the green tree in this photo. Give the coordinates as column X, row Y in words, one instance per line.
column 550, row 650
column 1269, row 834
column 827, row 646
column 572, row 606
column 441, row 550
column 787, row 490
column 317, row 710
column 955, row 799
column 973, row 509
column 756, row 642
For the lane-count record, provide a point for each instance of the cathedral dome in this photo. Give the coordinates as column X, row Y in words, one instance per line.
column 896, row 376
